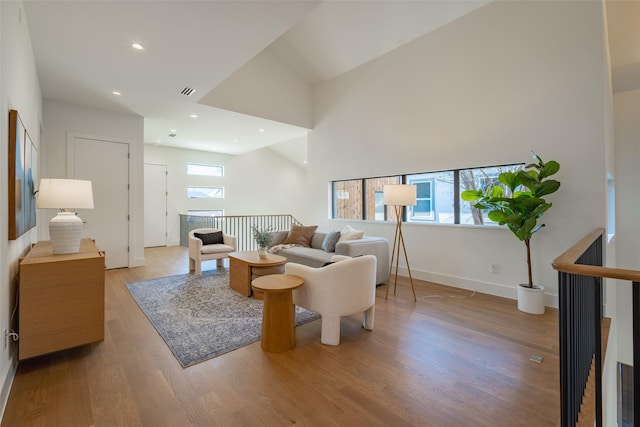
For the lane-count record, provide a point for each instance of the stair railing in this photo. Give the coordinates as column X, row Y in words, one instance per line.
column 580, row 273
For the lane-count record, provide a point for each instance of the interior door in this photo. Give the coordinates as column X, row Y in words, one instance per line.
column 106, row 164
column 155, row 205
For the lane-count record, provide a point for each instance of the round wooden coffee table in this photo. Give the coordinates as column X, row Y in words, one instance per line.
column 278, row 314
column 241, row 264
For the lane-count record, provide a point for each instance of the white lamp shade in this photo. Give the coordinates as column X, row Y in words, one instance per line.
column 400, row 194
column 64, row 194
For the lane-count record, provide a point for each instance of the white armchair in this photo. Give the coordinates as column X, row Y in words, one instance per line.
column 198, row 251
column 345, row 287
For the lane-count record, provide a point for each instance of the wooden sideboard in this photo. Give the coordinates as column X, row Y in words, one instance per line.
column 61, row 301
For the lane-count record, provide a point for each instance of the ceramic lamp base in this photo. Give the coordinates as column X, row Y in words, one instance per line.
column 65, row 231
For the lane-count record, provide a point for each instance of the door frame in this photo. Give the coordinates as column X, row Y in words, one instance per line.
column 166, row 200
column 71, row 157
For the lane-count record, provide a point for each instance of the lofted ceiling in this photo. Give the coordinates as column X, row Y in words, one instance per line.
column 83, row 53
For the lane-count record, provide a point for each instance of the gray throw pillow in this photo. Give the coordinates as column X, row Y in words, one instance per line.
column 210, row 238
column 329, row 242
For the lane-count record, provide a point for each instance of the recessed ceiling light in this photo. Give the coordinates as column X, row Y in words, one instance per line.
column 261, row 130
column 235, row 139
column 173, row 130
column 194, row 116
column 305, row 162
column 115, row 92
column 137, row 46
column 158, row 140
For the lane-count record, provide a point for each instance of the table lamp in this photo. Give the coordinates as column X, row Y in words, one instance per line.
column 398, row 196
column 65, row 229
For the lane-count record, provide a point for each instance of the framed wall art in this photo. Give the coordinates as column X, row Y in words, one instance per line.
column 22, row 160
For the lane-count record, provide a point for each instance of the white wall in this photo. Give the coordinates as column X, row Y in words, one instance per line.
column 19, row 90
column 60, row 119
column 484, row 90
column 627, row 128
column 259, row 182
column 265, row 87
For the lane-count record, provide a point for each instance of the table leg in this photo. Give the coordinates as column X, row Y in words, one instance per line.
column 278, row 322
column 240, row 276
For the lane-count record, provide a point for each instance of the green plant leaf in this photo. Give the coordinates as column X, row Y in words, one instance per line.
column 497, row 216
column 529, row 179
column 549, row 168
column 510, row 179
column 547, row 187
column 471, row 195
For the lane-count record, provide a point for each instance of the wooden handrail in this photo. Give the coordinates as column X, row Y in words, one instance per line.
column 566, row 262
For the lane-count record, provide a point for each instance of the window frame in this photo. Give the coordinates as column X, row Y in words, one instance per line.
column 459, row 207
column 195, row 187
column 205, row 165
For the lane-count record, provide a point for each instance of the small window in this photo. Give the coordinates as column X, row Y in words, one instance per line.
column 205, row 192
column 206, row 213
column 204, row 170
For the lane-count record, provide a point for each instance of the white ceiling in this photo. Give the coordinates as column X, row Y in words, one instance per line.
column 83, row 53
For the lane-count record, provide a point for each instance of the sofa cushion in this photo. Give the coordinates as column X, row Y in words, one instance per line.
column 317, row 239
column 349, row 233
column 307, row 256
column 210, row 238
column 215, row 249
column 330, row 240
column 277, row 237
column 300, row 235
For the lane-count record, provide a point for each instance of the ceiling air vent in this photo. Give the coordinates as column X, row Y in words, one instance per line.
column 187, row 91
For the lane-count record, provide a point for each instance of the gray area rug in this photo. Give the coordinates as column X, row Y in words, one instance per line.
column 201, row 317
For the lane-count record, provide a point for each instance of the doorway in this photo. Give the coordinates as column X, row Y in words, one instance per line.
column 105, row 162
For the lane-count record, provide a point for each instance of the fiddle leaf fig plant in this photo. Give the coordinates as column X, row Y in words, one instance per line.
column 517, row 200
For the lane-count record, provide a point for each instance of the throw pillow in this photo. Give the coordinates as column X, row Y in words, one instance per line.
column 330, row 240
column 300, row 235
column 349, row 233
column 210, row 238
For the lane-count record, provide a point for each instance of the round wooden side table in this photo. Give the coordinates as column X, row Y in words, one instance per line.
column 278, row 313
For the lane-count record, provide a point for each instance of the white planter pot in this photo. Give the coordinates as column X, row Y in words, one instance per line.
column 531, row 300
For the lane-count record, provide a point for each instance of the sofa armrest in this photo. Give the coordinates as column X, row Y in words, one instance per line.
column 369, row 245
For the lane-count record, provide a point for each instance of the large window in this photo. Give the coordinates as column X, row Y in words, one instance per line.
column 204, row 170
column 479, row 179
column 437, row 196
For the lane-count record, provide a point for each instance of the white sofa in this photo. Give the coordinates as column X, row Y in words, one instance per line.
column 314, row 256
column 342, row 288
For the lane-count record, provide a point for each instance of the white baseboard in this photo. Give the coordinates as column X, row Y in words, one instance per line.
column 7, row 383
column 496, row 289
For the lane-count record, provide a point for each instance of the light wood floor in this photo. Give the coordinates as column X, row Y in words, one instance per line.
column 443, row 361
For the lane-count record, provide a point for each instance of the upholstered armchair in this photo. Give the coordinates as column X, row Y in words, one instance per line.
column 345, row 287
column 211, row 244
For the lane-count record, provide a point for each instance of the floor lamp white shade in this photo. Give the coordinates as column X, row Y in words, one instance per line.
column 399, row 195
column 65, row 229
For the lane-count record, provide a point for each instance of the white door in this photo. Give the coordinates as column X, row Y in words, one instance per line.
column 155, row 205
column 106, row 164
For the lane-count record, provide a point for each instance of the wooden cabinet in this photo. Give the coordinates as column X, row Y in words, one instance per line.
column 61, row 301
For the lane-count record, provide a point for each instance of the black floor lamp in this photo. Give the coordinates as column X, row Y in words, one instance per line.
column 398, row 196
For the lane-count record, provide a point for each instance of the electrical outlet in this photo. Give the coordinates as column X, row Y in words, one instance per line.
column 6, row 337
column 494, row 269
